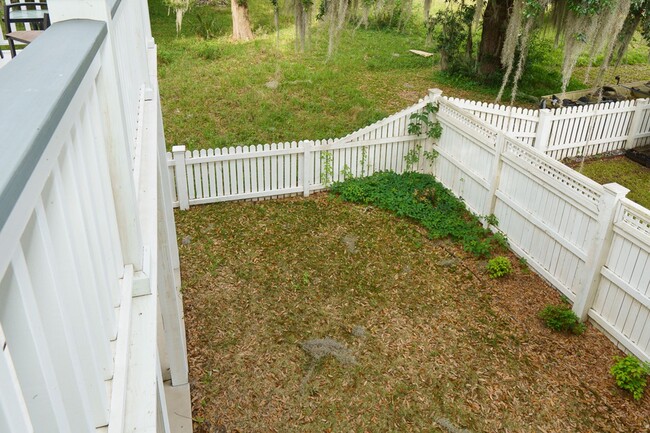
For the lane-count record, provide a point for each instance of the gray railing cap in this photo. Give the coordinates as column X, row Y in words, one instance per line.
column 35, row 91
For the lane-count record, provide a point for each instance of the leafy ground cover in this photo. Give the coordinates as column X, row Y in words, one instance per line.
column 621, row 170
column 421, row 198
column 432, row 342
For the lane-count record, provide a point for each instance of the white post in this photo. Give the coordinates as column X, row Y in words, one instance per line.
column 307, row 167
column 600, row 244
column 495, row 177
column 543, row 130
column 181, row 177
column 434, row 95
column 635, row 124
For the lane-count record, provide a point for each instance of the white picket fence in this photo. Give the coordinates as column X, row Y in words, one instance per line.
column 587, row 240
column 572, row 131
column 271, row 170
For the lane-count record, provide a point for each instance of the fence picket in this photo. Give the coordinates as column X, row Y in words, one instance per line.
column 227, row 184
column 211, row 174
column 205, row 176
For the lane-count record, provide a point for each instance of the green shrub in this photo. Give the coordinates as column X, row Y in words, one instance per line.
column 499, row 267
column 561, row 318
column 631, row 375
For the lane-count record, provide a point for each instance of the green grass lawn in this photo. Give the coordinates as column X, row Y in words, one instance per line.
column 214, row 92
column 621, row 170
column 218, row 93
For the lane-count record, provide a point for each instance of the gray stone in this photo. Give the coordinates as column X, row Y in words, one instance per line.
column 359, row 331
column 449, row 262
column 320, row 348
column 350, row 242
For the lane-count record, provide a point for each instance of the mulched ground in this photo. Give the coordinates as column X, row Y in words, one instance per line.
column 442, row 344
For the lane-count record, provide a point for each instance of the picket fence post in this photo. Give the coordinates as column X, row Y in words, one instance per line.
column 601, row 242
column 495, row 176
column 635, row 124
column 543, row 129
column 434, row 97
column 181, row 177
column 306, row 167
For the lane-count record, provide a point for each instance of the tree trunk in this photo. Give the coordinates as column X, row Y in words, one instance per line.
column 302, row 15
column 427, row 10
column 469, row 45
column 241, row 25
column 276, row 22
column 495, row 23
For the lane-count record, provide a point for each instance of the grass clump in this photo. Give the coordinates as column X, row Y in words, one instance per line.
column 423, row 199
column 621, row 170
column 562, row 319
column 499, row 267
column 631, row 375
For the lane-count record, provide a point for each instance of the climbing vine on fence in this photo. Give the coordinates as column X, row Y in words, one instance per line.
column 421, row 119
column 415, row 127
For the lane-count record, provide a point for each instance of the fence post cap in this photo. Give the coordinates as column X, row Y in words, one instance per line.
column 178, row 148
column 616, row 189
column 435, row 93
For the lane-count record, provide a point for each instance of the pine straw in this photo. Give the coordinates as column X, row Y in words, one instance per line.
column 441, row 342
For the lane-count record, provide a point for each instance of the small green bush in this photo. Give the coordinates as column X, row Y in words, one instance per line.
column 631, row 375
column 499, row 267
column 561, row 318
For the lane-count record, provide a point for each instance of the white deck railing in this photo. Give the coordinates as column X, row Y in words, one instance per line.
column 90, row 309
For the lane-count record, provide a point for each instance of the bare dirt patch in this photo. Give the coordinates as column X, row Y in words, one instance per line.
column 440, row 340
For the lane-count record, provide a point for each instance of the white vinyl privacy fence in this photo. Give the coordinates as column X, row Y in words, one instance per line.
column 572, row 131
column 586, row 239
